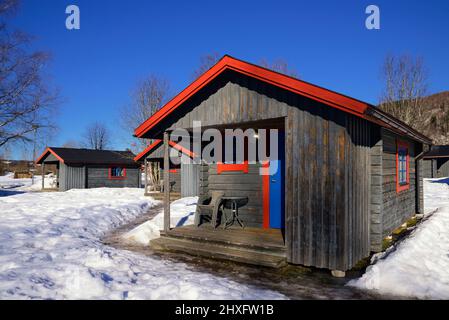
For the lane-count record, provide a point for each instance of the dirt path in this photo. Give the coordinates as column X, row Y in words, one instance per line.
column 293, row 281
column 114, row 237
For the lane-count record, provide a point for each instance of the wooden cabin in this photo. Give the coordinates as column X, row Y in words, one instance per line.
column 182, row 176
column 86, row 168
column 350, row 173
column 436, row 162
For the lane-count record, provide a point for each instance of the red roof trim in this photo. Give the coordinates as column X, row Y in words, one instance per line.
column 147, row 150
column 328, row 97
column 45, row 153
column 182, row 149
column 159, row 141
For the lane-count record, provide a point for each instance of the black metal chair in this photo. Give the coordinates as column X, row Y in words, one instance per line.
column 208, row 207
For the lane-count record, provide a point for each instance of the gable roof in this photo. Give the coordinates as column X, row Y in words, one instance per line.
column 89, row 156
column 157, row 142
column 441, row 151
column 328, row 97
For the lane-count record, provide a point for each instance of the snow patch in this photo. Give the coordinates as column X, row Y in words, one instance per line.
column 182, row 212
column 419, row 265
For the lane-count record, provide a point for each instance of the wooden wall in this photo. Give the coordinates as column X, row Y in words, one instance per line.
column 235, row 183
column 71, row 177
column 397, row 207
column 429, row 168
column 328, row 187
column 436, row 168
column 98, row 177
column 376, row 198
column 190, row 179
column 442, row 167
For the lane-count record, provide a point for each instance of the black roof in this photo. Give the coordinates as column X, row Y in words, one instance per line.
column 90, row 156
column 437, row 152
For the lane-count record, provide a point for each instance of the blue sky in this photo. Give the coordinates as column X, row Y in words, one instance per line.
column 120, row 42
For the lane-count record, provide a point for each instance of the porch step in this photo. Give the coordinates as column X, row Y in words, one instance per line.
column 215, row 250
column 232, row 239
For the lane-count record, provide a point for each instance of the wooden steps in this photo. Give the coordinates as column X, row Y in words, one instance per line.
column 250, row 246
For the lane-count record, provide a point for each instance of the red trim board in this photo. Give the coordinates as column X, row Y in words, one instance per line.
column 44, row 154
column 223, row 167
column 159, row 141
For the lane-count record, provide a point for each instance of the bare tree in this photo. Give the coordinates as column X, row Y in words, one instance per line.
column 278, row 65
column 97, row 136
column 281, row 66
column 149, row 95
column 27, row 105
column 206, row 62
column 405, row 87
column 70, row 144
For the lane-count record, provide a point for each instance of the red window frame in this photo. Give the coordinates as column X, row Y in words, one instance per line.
column 223, row 167
column 400, row 145
column 110, row 177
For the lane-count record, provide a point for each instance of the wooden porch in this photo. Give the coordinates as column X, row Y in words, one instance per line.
column 264, row 247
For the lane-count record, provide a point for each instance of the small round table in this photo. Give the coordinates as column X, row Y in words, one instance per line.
column 235, row 203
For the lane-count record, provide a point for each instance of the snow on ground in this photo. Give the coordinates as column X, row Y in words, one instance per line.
column 182, row 212
column 7, row 182
column 50, row 249
column 419, row 265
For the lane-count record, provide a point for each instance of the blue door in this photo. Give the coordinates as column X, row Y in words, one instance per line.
column 277, row 188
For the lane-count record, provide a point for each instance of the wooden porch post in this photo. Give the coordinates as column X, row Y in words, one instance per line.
column 166, row 184
column 146, row 175
column 43, row 174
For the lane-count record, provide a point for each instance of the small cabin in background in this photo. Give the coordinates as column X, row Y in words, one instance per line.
column 183, row 177
column 436, row 162
column 86, row 168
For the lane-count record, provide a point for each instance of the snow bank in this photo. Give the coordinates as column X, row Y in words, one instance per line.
column 182, row 212
column 419, row 265
column 50, row 249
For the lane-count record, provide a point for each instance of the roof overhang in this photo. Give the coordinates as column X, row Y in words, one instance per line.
column 325, row 96
column 157, row 142
column 48, row 151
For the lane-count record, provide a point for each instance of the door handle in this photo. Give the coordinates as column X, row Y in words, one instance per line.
column 273, row 180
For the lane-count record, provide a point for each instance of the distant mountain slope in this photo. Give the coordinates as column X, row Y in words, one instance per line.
column 435, row 124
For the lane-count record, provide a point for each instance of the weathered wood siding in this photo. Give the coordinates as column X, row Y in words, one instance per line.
column 328, row 192
column 442, row 167
column 328, row 179
column 190, row 179
column 376, row 192
column 98, row 177
column 397, row 207
column 236, row 183
column 71, row 177
column 203, row 179
column 429, row 168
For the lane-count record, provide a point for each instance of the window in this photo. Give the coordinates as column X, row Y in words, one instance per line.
column 402, row 167
column 117, row 173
